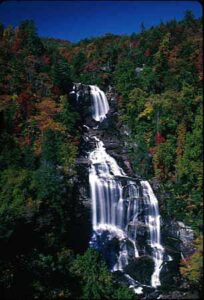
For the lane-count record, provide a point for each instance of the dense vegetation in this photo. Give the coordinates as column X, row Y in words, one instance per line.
column 157, row 77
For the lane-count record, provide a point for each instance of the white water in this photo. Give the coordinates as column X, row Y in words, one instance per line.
column 110, row 210
column 152, row 219
column 100, row 104
column 116, row 206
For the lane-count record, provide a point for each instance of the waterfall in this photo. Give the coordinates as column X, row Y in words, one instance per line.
column 112, row 209
column 100, row 105
column 152, row 220
column 120, row 207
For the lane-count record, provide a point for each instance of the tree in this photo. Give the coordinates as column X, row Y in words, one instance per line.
column 189, row 18
column 78, row 63
column 96, row 281
column 61, row 74
column 192, row 267
column 142, row 27
column 30, row 40
column 47, row 109
column 1, row 30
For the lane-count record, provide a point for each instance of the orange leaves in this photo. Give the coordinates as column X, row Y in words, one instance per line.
column 47, row 110
column 67, row 54
column 90, row 49
column 37, row 146
column 45, row 123
column 47, row 106
column 173, row 58
column 181, row 139
column 92, row 66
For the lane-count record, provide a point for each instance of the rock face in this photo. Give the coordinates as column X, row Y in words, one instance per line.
column 186, row 236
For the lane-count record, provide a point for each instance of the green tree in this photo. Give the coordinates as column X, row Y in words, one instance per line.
column 96, row 282
column 30, row 40
column 192, row 267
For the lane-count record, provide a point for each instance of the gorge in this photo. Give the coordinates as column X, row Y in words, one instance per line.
column 101, row 156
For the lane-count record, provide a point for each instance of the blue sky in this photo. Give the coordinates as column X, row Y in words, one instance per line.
column 76, row 20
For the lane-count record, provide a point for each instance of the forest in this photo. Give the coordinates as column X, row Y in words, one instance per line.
column 157, row 78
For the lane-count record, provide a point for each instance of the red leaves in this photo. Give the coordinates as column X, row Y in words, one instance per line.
column 147, row 52
column 46, row 60
column 16, row 45
column 76, row 142
column 47, row 109
column 23, row 98
column 159, row 138
column 56, row 90
column 135, row 44
column 23, row 101
column 23, row 140
column 92, row 66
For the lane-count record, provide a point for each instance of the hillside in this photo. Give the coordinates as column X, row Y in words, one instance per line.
column 156, row 79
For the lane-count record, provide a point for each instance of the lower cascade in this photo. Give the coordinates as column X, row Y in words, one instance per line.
column 120, row 206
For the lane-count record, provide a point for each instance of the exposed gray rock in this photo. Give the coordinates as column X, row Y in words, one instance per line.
column 186, row 236
column 83, row 161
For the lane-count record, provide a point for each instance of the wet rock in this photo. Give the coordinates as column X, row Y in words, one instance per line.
column 111, row 145
column 141, row 269
column 83, row 161
column 179, row 295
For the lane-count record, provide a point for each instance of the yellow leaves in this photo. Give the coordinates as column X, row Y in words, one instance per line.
column 91, row 48
column 147, row 111
column 30, row 203
column 37, row 147
column 191, row 268
column 63, row 100
column 47, row 123
column 147, row 136
column 48, row 106
column 45, row 118
column 14, row 97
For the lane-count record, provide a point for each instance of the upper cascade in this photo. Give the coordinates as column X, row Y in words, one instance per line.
column 100, row 104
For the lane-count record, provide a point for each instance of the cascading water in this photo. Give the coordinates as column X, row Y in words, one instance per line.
column 119, row 206
column 100, row 105
column 112, row 212
column 152, row 220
